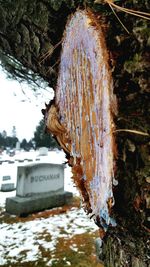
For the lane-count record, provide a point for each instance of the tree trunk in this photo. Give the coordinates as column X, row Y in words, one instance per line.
column 29, row 32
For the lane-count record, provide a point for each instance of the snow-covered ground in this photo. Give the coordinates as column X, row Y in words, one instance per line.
column 21, row 241
column 23, row 236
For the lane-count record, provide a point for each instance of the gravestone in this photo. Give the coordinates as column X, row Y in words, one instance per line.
column 43, row 151
column 7, row 184
column 39, row 186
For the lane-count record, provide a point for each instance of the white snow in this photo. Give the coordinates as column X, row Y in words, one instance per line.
column 23, row 236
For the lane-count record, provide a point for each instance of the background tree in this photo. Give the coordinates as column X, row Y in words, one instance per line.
column 2, row 141
column 7, row 141
column 30, row 45
column 44, row 139
column 24, row 143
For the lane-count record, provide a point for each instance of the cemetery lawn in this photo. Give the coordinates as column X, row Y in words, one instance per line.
column 59, row 237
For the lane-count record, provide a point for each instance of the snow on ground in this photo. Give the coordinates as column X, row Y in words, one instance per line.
column 23, row 236
column 4, row 195
column 21, row 241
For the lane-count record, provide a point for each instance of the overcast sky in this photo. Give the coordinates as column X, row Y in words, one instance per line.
column 19, row 109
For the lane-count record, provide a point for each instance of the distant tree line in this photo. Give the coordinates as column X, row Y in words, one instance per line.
column 11, row 142
column 40, row 139
column 7, row 141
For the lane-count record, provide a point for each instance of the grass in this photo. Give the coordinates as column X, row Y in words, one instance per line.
column 76, row 251
column 79, row 251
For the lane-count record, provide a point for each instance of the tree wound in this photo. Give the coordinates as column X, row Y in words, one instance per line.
column 86, row 106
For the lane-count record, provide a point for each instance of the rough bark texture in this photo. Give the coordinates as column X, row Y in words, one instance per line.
column 28, row 30
column 31, row 29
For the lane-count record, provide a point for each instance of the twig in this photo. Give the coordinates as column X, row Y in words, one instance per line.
column 119, row 19
column 131, row 131
column 137, row 13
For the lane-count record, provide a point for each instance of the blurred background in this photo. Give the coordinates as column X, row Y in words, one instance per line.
column 63, row 236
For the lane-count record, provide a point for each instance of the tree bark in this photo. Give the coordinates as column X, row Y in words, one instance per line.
column 30, row 30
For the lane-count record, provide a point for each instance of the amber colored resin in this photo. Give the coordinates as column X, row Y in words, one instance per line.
column 86, row 107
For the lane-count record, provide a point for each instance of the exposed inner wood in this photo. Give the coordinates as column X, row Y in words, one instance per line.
column 86, row 106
